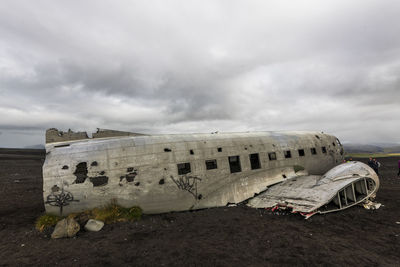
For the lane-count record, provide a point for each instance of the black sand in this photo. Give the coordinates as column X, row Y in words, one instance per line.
column 234, row 236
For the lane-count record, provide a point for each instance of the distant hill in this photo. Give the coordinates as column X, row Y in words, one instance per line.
column 371, row 148
column 361, row 148
column 394, row 149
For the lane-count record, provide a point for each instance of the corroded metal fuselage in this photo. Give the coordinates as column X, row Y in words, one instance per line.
column 163, row 173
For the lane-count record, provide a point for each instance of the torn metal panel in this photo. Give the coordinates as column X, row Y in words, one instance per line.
column 344, row 186
column 53, row 135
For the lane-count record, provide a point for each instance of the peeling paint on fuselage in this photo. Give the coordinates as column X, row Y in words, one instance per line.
column 134, row 166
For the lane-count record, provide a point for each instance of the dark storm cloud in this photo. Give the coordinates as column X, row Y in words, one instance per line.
column 200, row 66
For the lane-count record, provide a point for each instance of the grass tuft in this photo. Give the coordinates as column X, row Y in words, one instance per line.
column 110, row 213
column 298, row 168
column 46, row 221
column 115, row 213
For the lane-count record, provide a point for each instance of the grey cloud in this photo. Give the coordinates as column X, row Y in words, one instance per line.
column 201, row 67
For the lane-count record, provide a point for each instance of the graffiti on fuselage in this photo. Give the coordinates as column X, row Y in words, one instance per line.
column 188, row 183
column 59, row 198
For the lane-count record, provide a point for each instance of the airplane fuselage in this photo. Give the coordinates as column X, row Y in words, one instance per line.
column 163, row 173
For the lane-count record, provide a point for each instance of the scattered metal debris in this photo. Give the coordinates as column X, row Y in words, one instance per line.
column 369, row 205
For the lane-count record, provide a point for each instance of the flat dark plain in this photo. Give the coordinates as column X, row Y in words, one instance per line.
column 226, row 236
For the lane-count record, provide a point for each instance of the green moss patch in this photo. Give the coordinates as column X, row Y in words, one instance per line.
column 114, row 213
column 47, row 220
column 298, row 168
column 108, row 214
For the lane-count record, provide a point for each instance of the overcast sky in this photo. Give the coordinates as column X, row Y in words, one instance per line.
column 200, row 66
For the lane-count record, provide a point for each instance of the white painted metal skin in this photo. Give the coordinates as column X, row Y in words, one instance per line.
column 143, row 170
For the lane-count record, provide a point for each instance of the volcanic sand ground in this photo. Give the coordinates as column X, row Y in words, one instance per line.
column 227, row 236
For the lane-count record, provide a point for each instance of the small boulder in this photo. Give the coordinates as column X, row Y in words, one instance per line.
column 82, row 219
column 94, row 225
column 66, row 228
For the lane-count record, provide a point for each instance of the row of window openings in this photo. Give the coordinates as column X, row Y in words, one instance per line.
column 234, row 164
column 272, row 155
column 288, row 153
column 191, row 150
column 234, row 161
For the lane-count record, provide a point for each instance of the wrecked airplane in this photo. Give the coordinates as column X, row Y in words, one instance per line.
column 301, row 171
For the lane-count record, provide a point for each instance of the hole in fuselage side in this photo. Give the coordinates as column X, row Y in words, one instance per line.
column 360, row 189
column 371, row 185
column 343, row 199
column 81, row 173
column 350, row 194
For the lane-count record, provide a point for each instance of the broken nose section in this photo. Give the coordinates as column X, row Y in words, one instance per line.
column 342, row 187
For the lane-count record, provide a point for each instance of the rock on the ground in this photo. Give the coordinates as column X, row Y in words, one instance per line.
column 82, row 219
column 66, row 228
column 94, row 225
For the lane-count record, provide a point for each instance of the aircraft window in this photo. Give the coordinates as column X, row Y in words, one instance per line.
column 301, row 152
column 167, row 149
column 234, row 164
column 191, row 152
column 323, row 150
column 317, row 136
column 183, row 168
column 333, row 143
column 313, row 151
column 288, row 155
column 211, row 164
column 254, row 161
column 220, row 149
column 272, row 156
